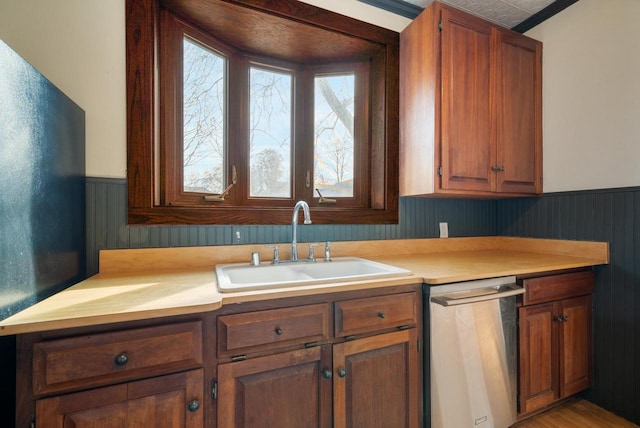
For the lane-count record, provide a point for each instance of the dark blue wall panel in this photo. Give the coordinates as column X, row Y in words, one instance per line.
column 42, row 197
column 419, row 218
column 598, row 215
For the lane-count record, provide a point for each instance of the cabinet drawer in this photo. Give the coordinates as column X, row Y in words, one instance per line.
column 557, row 287
column 274, row 328
column 375, row 313
column 104, row 358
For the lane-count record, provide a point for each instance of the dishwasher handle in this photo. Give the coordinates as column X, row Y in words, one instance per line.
column 478, row 295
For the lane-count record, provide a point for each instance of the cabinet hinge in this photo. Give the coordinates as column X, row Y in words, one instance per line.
column 311, row 344
column 518, row 402
column 238, row 358
column 351, row 337
column 440, row 26
column 32, row 424
column 404, row 327
column 214, row 389
column 440, row 171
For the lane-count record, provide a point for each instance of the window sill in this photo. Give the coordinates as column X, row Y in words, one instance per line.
column 256, row 216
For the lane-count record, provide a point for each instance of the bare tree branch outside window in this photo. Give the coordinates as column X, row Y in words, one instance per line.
column 270, row 131
column 203, row 119
column 334, row 137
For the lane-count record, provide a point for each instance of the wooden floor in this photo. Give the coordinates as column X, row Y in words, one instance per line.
column 576, row 414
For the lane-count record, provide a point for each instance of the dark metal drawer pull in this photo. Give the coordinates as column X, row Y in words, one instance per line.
column 193, row 406
column 121, row 359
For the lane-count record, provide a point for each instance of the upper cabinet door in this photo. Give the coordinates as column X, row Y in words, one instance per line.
column 518, row 87
column 467, row 149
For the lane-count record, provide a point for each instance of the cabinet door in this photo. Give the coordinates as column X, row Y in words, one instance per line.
column 290, row 389
column 377, row 381
column 518, row 113
column 167, row 401
column 467, row 150
column 538, row 357
column 575, row 345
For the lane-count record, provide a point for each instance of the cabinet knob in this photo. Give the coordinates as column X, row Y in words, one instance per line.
column 342, row 372
column 381, row 315
column 278, row 331
column 121, row 359
column 193, row 406
column 327, row 374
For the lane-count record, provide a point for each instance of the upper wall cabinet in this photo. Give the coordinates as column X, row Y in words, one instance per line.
column 470, row 107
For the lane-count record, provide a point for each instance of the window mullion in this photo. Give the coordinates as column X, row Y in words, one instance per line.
column 237, row 131
column 304, row 136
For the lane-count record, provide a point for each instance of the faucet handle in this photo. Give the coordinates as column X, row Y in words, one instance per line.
column 255, row 258
column 312, row 256
column 327, row 251
column 276, row 253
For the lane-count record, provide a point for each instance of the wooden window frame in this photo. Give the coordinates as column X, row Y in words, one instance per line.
column 152, row 201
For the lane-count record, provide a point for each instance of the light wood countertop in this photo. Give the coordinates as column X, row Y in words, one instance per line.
column 135, row 284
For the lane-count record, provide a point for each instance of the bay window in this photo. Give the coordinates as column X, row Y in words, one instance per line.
column 237, row 134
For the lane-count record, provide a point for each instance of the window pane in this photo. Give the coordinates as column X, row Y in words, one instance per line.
column 333, row 146
column 204, row 116
column 270, row 133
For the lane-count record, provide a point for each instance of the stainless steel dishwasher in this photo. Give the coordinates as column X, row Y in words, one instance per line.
column 474, row 353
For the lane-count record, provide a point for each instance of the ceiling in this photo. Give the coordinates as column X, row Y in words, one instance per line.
column 519, row 15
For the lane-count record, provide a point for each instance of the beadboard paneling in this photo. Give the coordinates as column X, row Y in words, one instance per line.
column 599, row 215
column 419, row 218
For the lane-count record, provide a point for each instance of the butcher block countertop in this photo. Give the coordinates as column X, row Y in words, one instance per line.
column 136, row 284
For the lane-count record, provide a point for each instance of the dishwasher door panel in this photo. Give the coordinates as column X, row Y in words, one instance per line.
column 473, row 364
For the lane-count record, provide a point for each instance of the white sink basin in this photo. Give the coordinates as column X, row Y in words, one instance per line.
column 243, row 276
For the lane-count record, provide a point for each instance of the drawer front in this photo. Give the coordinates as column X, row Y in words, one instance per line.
column 104, row 358
column 240, row 334
column 375, row 313
column 557, row 287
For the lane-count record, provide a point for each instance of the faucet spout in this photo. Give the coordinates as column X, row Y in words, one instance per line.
column 294, row 227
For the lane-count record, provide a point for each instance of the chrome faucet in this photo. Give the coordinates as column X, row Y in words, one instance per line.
column 294, row 227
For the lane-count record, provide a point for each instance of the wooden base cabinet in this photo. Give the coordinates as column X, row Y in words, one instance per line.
column 364, row 373
column 555, row 339
column 344, row 359
column 171, row 401
column 290, row 389
column 376, row 381
column 137, row 374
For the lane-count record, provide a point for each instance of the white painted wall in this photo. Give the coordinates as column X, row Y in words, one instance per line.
column 79, row 45
column 363, row 12
column 591, row 96
column 591, row 90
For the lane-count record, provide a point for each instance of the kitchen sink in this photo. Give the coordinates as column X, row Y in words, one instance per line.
column 243, row 276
